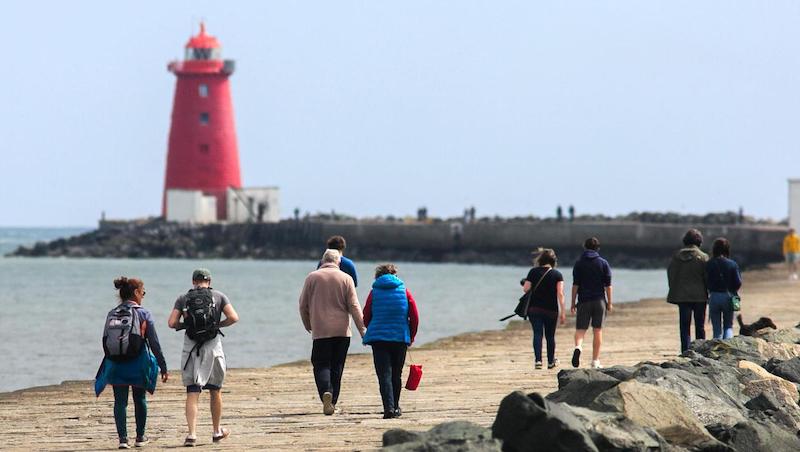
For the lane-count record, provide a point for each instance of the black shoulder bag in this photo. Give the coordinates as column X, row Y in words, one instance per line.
column 525, row 300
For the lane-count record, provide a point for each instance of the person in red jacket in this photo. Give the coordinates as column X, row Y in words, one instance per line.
column 391, row 318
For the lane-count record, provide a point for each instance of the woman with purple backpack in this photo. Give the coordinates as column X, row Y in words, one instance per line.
column 132, row 358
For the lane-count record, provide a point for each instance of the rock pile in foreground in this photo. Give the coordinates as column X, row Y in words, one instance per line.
column 739, row 394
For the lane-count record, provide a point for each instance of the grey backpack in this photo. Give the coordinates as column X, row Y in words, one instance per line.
column 123, row 334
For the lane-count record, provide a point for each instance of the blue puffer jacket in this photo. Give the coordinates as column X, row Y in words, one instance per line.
column 389, row 312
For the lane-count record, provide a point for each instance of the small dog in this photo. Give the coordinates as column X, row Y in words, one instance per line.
column 749, row 330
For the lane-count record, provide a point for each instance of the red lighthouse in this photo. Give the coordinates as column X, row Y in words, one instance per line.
column 202, row 153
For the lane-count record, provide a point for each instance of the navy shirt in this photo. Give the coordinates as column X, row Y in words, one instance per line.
column 592, row 275
column 723, row 275
column 347, row 266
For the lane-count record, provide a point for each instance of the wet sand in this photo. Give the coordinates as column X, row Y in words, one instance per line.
column 277, row 408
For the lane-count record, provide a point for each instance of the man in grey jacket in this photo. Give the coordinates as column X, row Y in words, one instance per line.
column 687, row 286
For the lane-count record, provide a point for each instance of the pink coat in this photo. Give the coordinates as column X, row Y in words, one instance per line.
column 328, row 300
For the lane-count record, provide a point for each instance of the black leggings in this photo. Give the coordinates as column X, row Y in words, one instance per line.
column 389, row 358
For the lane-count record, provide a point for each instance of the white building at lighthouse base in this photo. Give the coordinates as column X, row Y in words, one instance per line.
column 243, row 205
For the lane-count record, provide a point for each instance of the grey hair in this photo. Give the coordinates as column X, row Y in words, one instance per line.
column 331, row 256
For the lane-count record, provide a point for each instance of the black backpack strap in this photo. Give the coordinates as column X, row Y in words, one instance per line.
column 538, row 283
column 196, row 348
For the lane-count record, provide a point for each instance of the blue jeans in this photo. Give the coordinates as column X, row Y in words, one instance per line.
column 721, row 314
column 685, row 313
column 121, row 408
column 543, row 324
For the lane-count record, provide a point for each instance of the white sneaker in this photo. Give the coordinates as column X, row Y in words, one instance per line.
column 596, row 364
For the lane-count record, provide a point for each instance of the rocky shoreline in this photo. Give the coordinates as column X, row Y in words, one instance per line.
column 734, row 395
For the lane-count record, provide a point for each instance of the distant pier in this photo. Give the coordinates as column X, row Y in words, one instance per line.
column 626, row 244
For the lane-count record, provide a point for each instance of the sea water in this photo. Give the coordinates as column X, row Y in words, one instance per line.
column 52, row 309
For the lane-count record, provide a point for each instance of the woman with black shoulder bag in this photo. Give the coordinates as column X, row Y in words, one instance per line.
column 545, row 286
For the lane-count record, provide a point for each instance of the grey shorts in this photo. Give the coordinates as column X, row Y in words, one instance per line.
column 792, row 257
column 593, row 312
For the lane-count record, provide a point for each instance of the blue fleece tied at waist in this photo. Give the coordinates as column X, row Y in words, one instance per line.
column 141, row 372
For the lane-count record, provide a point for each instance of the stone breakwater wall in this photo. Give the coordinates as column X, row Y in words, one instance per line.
column 625, row 244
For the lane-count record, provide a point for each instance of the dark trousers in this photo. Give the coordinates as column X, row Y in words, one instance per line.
column 121, row 408
column 686, row 311
column 543, row 325
column 389, row 358
column 327, row 357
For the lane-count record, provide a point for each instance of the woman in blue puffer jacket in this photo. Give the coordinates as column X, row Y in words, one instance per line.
column 391, row 318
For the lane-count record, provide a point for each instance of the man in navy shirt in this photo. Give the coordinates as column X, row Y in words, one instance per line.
column 346, row 265
column 591, row 286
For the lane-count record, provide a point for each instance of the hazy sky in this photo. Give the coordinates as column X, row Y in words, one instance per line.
column 375, row 108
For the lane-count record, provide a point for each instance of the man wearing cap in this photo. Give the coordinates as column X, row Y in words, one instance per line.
column 203, row 360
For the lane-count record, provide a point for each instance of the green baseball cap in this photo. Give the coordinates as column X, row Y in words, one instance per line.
column 201, row 274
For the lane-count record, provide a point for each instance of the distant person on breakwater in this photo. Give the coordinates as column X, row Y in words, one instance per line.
column 546, row 305
column 129, row 337
column 391, row 318
column 337, row 242
column 199, row 312
column 591, row 286
column 686, row 276
column 791, row 252
column 327, row 301
column 724, row 281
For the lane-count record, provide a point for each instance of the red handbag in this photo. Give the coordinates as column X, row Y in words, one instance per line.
column 414, row 375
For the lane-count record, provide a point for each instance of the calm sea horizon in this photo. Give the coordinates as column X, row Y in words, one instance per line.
column 53, row 308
